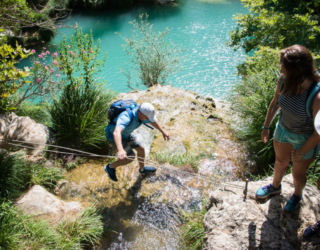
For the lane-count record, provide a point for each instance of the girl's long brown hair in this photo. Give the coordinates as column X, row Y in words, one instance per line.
column 299, row 66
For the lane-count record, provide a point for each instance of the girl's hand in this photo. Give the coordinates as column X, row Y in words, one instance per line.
column 295, row 156
column 265, row 135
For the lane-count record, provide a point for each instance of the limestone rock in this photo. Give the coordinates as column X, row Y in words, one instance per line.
column 39, row 201
column 232, row 223
column 24, row 129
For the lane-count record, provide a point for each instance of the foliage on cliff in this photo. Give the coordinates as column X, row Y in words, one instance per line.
column 30, row 21
column 251, row 99
column 269, row 26
column 277, row 23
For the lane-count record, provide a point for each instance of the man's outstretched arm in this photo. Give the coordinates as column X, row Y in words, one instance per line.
column 165, row 135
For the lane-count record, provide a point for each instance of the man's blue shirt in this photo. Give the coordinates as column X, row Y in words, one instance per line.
column 123, row 121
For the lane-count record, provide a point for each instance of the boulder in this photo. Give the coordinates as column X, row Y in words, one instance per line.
column 232, row 223
column 25, row 131
column 39, row 201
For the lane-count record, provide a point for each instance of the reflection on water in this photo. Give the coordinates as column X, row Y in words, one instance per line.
column 201, row 27
column 139, row 212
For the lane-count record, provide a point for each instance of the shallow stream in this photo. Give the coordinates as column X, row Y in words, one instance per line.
column 139, row 212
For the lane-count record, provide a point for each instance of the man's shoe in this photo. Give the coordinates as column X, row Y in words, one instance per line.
column 148, row 170
column 291, row 205
column 111, row 172
column 266, row 191
column 311, row 230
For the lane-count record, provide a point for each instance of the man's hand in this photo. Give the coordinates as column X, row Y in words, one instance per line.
column 166, row 136
column 318, row 183
column 122, row 154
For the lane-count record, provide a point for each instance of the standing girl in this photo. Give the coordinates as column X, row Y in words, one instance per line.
column 295, row 137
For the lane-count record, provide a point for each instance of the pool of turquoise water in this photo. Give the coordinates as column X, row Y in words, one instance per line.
column 201, row 27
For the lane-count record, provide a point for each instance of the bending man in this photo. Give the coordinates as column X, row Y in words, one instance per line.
column 119, row 132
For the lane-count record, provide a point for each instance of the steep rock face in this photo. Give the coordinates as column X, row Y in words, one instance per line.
column 39, row 201
column 23, row 130
column 232, row 223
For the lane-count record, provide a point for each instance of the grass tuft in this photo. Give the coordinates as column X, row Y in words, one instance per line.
column 193, row 230
column 84, row 229
column 44, row 176
column 19, row 231
column 177, row 159
column 16, row 175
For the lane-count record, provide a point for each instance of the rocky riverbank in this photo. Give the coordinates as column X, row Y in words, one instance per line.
column 234, row 223
column 202, row 159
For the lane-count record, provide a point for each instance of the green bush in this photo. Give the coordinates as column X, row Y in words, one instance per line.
column 79, row 115
column 153, row 58
column 250, row 100
column 19, row 231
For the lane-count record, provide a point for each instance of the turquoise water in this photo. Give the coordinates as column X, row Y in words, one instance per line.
column 200, row 26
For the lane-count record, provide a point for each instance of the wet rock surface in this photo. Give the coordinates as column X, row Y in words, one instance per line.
column 232, row 223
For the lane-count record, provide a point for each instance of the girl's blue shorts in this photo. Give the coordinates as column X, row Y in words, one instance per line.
column 281, row 134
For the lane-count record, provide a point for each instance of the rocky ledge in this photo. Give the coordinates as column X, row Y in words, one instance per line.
column 197, row 125
column 232, row 223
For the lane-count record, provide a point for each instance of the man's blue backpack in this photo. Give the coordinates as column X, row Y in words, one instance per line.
column 118, row 107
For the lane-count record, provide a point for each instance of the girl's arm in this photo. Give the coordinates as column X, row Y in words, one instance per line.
column 272, row 110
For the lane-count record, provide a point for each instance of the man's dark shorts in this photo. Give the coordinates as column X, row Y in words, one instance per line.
column 129, row 144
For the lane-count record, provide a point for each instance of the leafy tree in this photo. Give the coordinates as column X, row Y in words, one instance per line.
column 278, row 24
column 17, row 85
column 10, row 76
column 153, row 59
